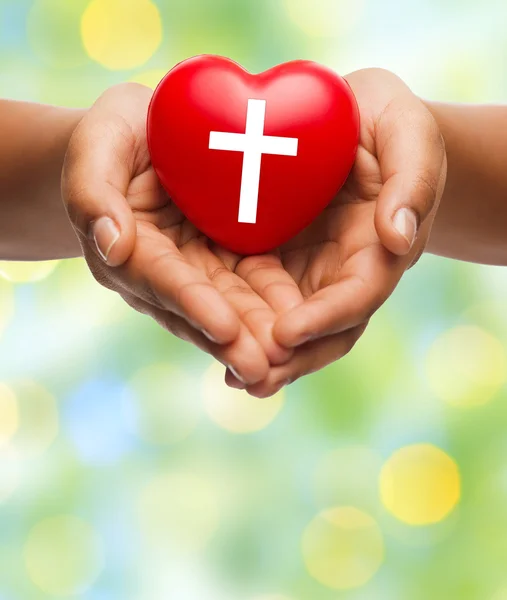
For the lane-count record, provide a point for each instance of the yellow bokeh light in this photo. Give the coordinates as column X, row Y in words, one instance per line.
column 324, row 18
column 166, row 404
column 343, row 547
column 466, row 366
column 420, row 484
column 38, row 419
column 150, row 78
column 179, row 511
column 27, row 272
column 500, row 594
column 121, row 34
column 235, row 410
column 63, row 555
column 9, row 416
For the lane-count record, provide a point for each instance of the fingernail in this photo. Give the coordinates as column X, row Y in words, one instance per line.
column 209, row 336
column 237, row 385
column 405, row 223
column 303, row 339
column 236, row 374
column 105, row 236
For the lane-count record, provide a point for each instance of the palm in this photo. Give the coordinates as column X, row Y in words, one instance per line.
column 166, row 235
column 340, row 263
column 262, row 287
column 317, row 256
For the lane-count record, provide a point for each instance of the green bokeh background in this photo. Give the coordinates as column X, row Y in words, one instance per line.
column 117, row 481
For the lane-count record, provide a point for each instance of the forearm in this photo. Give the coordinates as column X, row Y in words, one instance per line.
column 33, row 220
column 471, row 223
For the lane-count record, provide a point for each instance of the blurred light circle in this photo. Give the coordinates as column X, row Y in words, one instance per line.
column 343, row 547
column 466, row 366
column 53, row 32
column 97, row 406
column 9, row 472
column 235, row 410
column 63, row 555
column 179, row 511
column 420, row 484
column 150, row 78
column 323, row 18
column 38, row 419
column 348, row 476
column 25, row 272
column 121, row 34
column 500, row 594
column 163, row 404
column 6, row 303
column 9, row 415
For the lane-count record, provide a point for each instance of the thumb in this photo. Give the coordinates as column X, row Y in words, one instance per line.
column 413, row 164
column 97, row 172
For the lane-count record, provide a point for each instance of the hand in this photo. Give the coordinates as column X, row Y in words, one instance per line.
column 138, row 243
column 349, row 260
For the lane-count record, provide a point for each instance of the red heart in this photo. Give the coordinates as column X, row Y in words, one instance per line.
column 300, row 100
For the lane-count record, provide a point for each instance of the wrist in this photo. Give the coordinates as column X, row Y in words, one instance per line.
column 34, row 224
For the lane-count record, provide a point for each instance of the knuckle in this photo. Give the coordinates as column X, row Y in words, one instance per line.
column 217, row 273
column 77, row 198
column 255, row 264
column 240, row 289
column 187, row 289
column 430, row 130
column 257, row 313
column 272, row 285
column 433, row 133
column 425, row 185
column 372, row 298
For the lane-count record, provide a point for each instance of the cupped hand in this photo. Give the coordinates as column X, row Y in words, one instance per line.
column 348, row 262
column 139, row 244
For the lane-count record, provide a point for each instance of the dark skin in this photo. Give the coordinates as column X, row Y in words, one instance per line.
column 276, row 317
column 272, row 318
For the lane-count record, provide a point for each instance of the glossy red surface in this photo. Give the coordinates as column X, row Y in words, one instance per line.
column 304, row 100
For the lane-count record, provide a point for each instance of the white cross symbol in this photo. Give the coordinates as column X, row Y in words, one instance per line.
column 253, row 143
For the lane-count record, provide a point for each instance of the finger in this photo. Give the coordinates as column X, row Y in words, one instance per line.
column 101, row 160
column 412, row 159
column 253, row 311
column 159, row 274
column 94, row 186
column 309, row 358
column 267, row 277
column 365, row 282
column 244, row 357
column 232, row 381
